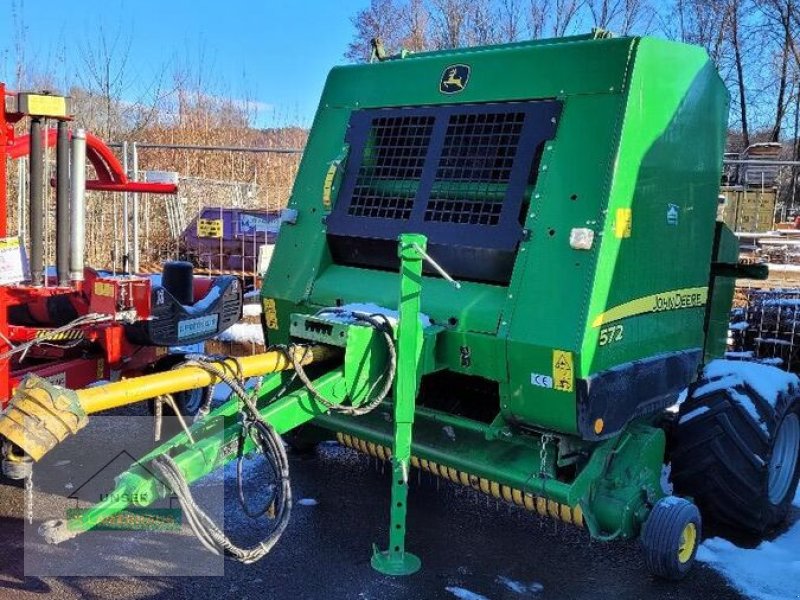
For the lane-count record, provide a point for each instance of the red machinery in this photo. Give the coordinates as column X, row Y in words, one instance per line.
column 80, row 326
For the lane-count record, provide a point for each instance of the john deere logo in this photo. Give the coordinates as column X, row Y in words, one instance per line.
column 454, row 79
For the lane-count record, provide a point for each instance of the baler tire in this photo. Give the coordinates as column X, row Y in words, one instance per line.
column 722, row 455
column 670, row 538
column 187, row 402
column 298, row 444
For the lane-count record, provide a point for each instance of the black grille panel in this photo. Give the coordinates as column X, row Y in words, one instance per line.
column 391, row 167
column 459, row 174
column 474, row 168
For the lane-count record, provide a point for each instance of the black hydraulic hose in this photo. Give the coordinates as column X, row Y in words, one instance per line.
column 380, row 323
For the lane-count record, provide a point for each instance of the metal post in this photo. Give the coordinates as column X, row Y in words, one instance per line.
column 135, row 257
column 77, row 208
column 395, row 560
column 126, row 246
column 21, row 173
column 62, row 204
column 36, row 226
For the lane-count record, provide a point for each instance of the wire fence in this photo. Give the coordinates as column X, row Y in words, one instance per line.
column 129, row 231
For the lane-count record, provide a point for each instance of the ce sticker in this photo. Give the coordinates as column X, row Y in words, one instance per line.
column 540, row 380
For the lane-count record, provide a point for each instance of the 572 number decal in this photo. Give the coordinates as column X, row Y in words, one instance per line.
column 611, row 334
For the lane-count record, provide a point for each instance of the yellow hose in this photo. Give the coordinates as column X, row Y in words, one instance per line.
column 136, row 389
column 41, row 415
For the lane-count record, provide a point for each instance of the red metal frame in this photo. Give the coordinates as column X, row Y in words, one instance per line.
column 112, row 355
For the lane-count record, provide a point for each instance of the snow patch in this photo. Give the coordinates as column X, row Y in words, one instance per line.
column 769, row 572
column 204, row 303
column 739, row 355
column 746, row 403
column 700, row 410
column 251, row 310
column 369, row 309
column 675, row 408
column 464, row 594
column 766, row 380
column 518, row 587
column 243, row 333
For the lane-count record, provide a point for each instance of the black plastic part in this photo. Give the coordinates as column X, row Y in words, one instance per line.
column 461, row 174
column 60, row 310
column 173, row 324
column 759, row 271
column 631, row 390
column 662, row 535
column 178, row 279
column 720, row 453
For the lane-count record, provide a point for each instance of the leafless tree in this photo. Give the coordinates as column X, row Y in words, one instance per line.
column 382, row 19
column 510, row 27
column 417, row 20
column 448, row 19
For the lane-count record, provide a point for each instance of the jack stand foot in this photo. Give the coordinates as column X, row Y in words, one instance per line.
column 395, row 563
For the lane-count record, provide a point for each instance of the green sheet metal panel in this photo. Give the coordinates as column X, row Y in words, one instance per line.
column 638, row 141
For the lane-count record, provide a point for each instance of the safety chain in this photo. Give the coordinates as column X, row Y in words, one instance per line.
column 546, row 439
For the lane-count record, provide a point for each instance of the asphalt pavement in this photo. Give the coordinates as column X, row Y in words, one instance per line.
column 471, row 547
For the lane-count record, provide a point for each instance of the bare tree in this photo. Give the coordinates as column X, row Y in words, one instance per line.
column 449, row 22
column 417, row 20
column 382, row 19
column 510, row 27
column 552, row 17
column 737, row 43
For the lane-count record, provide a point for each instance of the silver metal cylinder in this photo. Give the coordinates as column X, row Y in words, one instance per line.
column 77, row 206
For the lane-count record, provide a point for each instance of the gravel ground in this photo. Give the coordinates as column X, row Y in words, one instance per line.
column 467, row 544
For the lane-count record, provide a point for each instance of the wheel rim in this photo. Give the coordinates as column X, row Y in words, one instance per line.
column 688, row 541
column 193, row 402
column 784, row 458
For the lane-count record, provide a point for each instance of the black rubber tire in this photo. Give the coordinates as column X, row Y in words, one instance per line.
column 721, row 455
column 188, row 402
column 303, row 440
column 662, row 537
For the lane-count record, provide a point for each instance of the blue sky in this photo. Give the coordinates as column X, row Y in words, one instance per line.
column 275, row 53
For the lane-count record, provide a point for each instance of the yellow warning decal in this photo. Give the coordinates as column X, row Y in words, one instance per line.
column 61, row 336
column 9, row 243
column 209, row 228
column 103, row 288
column 270, row 313
column 623, row 223
column 40, row 105
column 663, row 301
column 327, row 187
column 563, row 373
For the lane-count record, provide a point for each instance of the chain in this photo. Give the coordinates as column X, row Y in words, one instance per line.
column 546, row 439
column 29, row 496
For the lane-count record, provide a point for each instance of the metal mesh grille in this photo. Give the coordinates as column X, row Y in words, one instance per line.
column 391, row 167
column 474, row 168
column 460, row 174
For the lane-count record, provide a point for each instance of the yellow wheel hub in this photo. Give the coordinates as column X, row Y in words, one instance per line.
column 688, row 542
